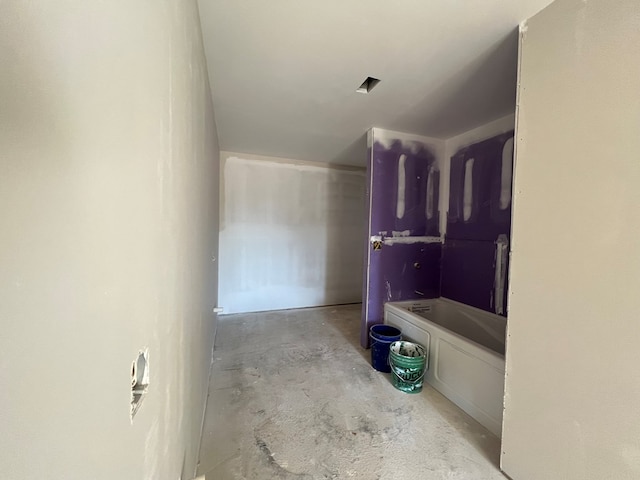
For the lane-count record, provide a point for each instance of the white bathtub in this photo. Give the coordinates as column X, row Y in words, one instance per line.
column 465, row 353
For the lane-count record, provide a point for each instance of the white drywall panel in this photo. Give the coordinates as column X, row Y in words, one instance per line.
column 108, row 201
column 291, row 234
column 573, row 383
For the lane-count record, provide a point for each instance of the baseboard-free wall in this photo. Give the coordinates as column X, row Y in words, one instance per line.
column 108, row 203
column 572, row 379
column 291, row 234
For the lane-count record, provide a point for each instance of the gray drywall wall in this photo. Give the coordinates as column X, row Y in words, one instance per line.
column 291, row 235
column 108, row 202
column 573, row 382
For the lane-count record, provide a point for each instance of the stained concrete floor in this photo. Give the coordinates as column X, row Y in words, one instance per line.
column 293, row 396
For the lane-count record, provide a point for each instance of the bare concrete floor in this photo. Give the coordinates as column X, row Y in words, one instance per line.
column 293, row 396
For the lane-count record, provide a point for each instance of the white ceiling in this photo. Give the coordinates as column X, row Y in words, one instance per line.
column 284, row 72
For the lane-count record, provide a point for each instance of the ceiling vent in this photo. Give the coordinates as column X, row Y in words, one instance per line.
column 368, row 85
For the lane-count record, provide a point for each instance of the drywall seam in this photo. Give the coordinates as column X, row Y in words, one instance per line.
column 480, row 133
column 514, row 199
column 402, row 179
column 387, row 137
column 517, row 139
column 410, row 240
column 429, row 210
column 506, row 175
column 224, row 155
column 206, row 405
column 365, row 299
column 299, row 166
column 502, row 252
column 222, row 195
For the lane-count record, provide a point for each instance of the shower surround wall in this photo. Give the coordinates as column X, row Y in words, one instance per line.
column 403, row 246
column 411, row 182
column 475, row 253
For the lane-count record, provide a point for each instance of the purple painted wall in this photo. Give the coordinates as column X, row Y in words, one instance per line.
column 418, row 163
column 402, row 271
column 469, row 253
column 464, row 268
column 468, row 272
column 488, row 219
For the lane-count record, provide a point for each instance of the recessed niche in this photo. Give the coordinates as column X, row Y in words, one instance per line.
column 139, row 380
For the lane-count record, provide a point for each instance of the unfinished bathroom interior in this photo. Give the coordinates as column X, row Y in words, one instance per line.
column 166, row 162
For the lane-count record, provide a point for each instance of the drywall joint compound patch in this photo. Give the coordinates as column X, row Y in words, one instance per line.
column 139, row 381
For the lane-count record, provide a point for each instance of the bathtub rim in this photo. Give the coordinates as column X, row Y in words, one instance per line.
column 415, row 319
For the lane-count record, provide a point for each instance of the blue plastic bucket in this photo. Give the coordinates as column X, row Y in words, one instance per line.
column 381, row 337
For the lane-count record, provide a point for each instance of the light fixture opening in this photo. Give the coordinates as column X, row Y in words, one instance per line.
column 368, row 85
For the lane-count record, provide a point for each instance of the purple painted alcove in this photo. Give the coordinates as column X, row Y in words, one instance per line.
column 487, row 218
column 408, row 268
column 469, row 253
column 464, row 269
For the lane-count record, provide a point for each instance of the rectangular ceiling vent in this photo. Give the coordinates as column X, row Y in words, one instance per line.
column 368, row 85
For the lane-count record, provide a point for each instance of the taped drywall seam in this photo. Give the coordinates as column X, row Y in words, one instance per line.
column 402, row 180
column 502, row 250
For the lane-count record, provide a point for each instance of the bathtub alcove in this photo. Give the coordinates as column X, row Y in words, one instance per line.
column 465, row 353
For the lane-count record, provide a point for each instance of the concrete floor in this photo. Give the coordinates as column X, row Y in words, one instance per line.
column 293, row 396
